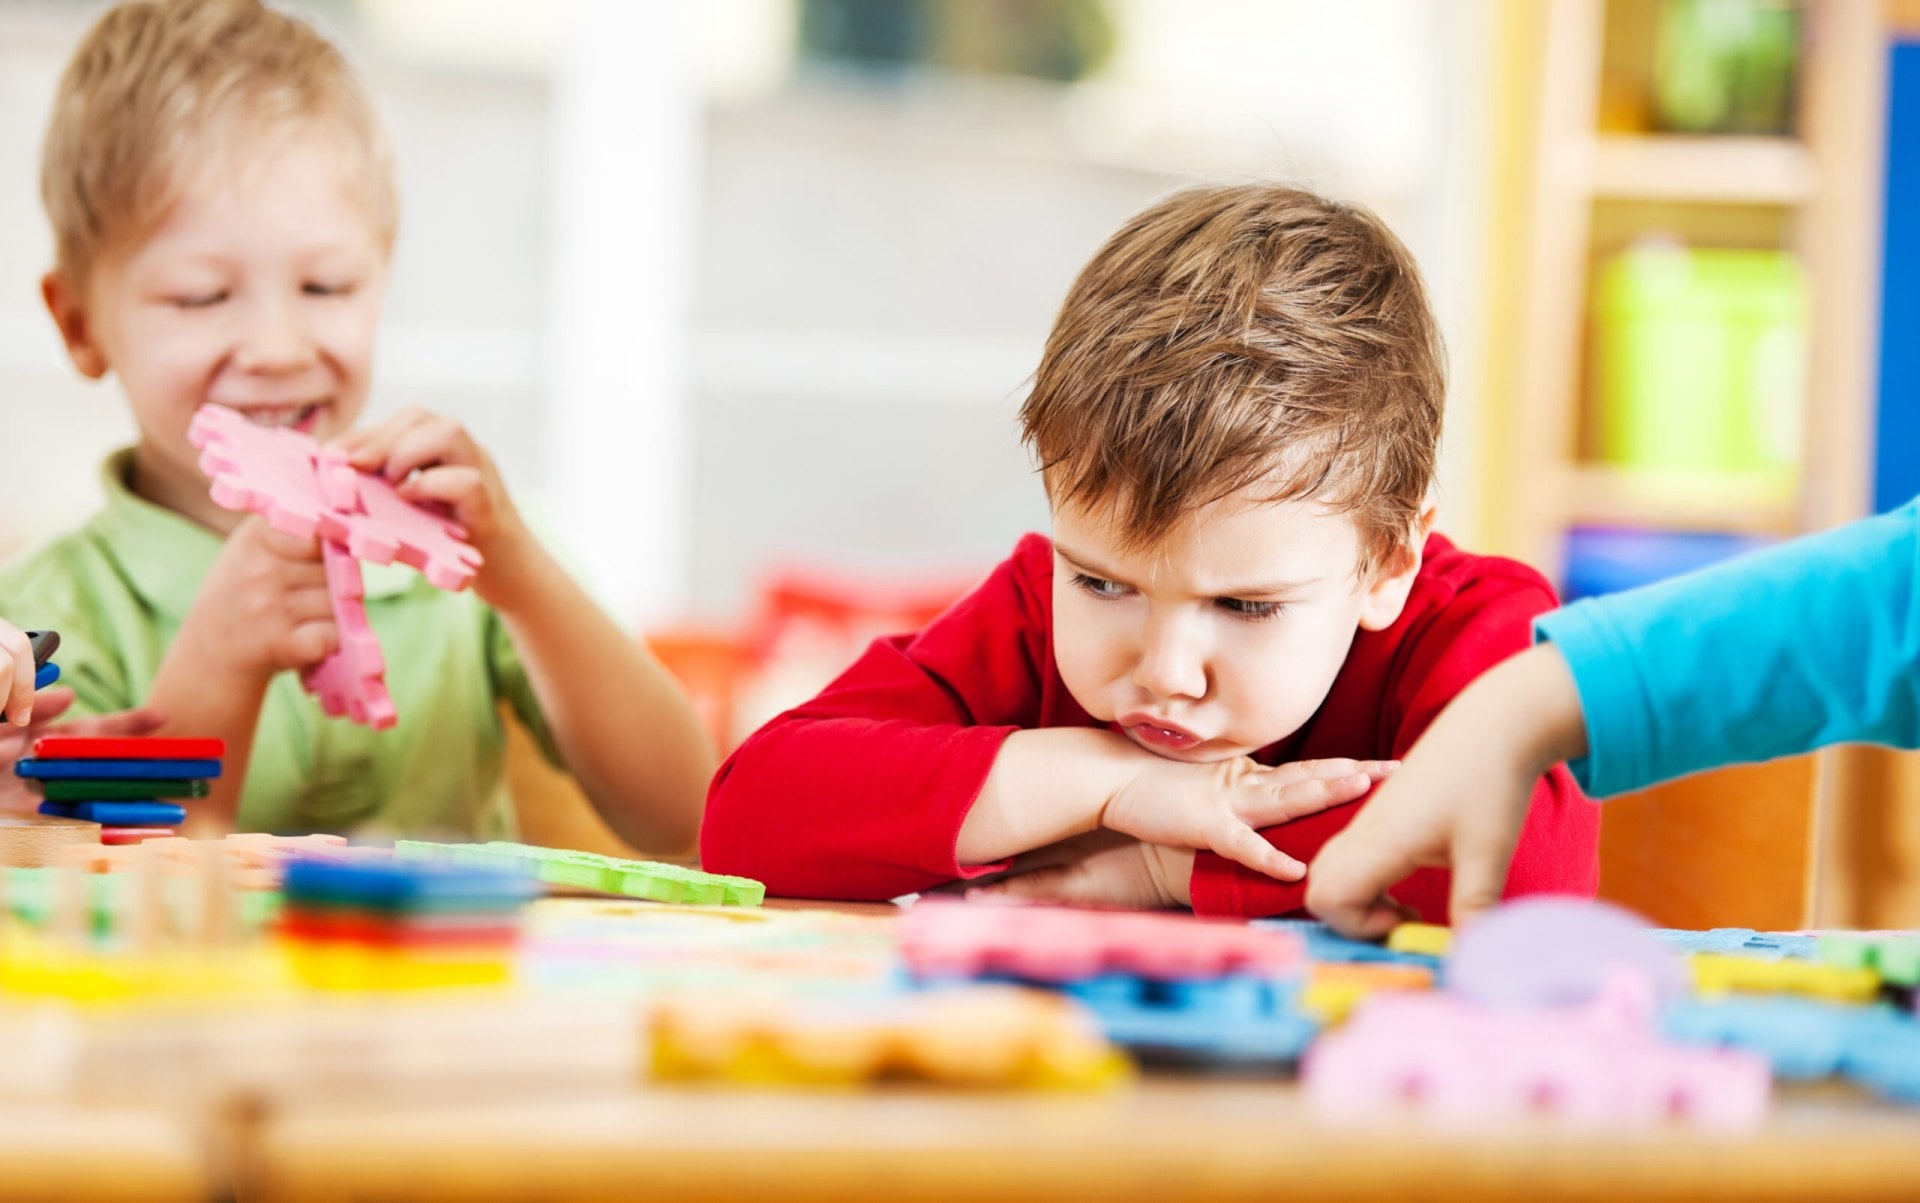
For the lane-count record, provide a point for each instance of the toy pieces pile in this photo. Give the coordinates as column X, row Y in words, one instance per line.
column 132, row 787
column 1168, row 987
column 398, row 924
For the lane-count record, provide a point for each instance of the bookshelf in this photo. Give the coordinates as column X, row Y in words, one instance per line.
column 1579, row 175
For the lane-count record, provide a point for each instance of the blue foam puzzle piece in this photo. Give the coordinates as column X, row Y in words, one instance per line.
column 116, row 770
column 1802, row 1037
column 46, row 675
column 1325, row 944
column 1883, row 1052
column 1740, row 941
column 118, row 813
column 1240, row 1019
column 398, row 885
column 1229, row 1019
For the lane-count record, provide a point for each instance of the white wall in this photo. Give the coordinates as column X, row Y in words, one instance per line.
column 870, row 268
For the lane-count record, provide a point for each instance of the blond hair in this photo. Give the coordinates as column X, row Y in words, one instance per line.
column 1238, row 336
column 152, row 93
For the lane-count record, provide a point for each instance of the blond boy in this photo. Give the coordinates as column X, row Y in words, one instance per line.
column 223, row 206
column 1240, row 620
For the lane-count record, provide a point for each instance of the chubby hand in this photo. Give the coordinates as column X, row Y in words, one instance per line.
column 263, row 606
column 430, row 458
column 1220, row 804
column 16, row 742
column 1104, row 868
column 16, row 674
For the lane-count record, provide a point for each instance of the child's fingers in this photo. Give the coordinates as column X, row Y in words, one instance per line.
column 428, row 442
column 311, row 642
column 452, row 485
column 120, row 724
column 370, row 447
column 1480, row 861
column 1297, row 771
column 18, row 656
column 50, row 703
column 1269, row 806
column 1241, row 844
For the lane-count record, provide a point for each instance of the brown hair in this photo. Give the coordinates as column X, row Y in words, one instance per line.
column 150, row 93
column 1233, row 335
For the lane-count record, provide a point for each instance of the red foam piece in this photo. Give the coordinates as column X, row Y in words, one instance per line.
column 940, row 938
column 132, row 835
column 94, row 747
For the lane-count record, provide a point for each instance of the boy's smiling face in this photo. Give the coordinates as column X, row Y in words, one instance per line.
column 1224, row 636
column 260, row 290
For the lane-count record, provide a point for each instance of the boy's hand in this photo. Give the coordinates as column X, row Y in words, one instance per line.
column 434, row 460
column 263, row 606
column 16, row 674
column 1219, row 805
column 1101, row 872
column 16, row 742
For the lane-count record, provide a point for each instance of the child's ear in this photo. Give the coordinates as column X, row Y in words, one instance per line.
column 1393, row 580
column 70, row 315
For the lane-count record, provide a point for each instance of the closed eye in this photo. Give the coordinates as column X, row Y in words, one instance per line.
column 1250, row 611
column 198, row 300
column 1099, row 587
column 317, row 289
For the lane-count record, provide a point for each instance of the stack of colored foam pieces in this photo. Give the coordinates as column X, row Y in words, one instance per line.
column 133, row 787
column 398, row 924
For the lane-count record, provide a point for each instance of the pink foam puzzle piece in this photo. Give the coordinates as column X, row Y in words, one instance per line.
column 1458, row 1063
column 944, row 938
column 351, row 681
column 267, row 471
column 304, row 491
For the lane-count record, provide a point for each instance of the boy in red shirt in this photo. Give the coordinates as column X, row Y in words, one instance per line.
column 1240, row 620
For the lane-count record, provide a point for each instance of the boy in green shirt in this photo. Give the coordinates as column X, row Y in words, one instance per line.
column 223, row 207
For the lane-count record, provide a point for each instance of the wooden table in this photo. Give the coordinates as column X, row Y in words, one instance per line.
column 1166, row 1139
column 98, row 1153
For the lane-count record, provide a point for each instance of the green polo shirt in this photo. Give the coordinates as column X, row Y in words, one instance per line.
column 117, row 590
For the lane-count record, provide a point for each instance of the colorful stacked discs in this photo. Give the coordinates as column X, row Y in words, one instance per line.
column 131, row 786
column 398, row 924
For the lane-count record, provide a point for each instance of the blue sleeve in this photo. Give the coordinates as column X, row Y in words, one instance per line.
column 1810, row 643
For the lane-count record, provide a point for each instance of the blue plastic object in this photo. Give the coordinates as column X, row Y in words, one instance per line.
column 402, row 885
column 45, row 675
column 1608, row 559
column 148, row 813
column 116, row 770
column 1803, row 1038
column 1325, row 944
column 1741, row 941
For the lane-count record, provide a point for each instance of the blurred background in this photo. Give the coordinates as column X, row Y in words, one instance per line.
column 744, row 296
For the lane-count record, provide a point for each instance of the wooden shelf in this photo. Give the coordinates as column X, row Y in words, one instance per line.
column 1761, row 171
column 1748, row 504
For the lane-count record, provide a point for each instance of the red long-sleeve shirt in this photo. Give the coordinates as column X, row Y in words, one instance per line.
column 861, row 792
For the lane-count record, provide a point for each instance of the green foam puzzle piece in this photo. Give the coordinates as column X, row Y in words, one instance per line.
column 652, row 880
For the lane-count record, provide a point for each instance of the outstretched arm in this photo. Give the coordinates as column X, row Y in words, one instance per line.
column 625, row 730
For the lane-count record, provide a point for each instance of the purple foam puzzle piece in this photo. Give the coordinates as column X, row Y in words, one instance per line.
column 1551, row 951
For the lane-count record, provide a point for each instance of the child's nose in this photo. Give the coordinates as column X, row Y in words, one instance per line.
column 276, row 339
column 1173, row 662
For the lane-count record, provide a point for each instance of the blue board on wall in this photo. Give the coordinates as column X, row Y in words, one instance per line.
column 1896, row 477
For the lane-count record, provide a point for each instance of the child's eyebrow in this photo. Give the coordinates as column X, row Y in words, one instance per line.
column 1268, row 589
